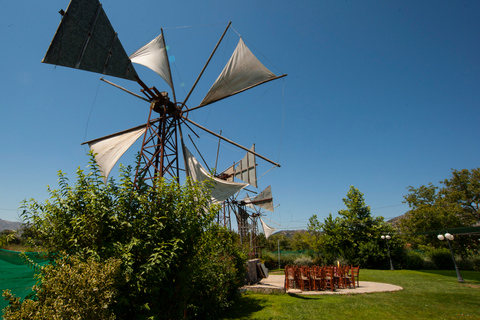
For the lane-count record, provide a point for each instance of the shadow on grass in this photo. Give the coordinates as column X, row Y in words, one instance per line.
column 303, row 297
column 244, row 306
column 470, row 276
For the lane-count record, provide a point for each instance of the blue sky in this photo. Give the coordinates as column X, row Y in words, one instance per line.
column 380, row 95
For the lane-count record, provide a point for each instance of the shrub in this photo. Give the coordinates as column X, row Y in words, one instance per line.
column 270, row 260
column 303, row 260
column 442, row 258
column 414, row 261
column 465, row 264
column 476, row 263
column 170, row 249
column 70, row 289
column 218, row 258
column 319, row 260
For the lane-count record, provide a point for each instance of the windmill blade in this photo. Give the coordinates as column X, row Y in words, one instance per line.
column 86, row 40
column 206, row 64
column 242, row 72
column 267, row 230
column 109, row 149
column 154, row 56
column 221, row 190
column 264, row 199
column 230, row 141
column 245, row 169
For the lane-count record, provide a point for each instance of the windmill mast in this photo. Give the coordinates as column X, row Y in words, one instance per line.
column 159, row 150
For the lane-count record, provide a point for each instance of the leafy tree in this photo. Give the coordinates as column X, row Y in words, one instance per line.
column 314, row 227
column 262, row 242
column 354, row 235
column 301, row 241
column 273, row 242
column 161, row 235
column 463, row 190
column 453, row 205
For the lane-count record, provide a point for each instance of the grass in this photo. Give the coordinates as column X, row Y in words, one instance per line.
column 426, row 295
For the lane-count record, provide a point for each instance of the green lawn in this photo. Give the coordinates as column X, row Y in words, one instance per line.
column 426, row 295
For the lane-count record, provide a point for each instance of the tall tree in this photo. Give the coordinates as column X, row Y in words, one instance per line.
column 314, row 227
column 454, row 204
column 354, row 234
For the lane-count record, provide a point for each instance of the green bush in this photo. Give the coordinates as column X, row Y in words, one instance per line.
column 414, row 261
column 476, row 263
column 70, row 289
column 442, row 259
column 221, row 260
column 270, row 259
column 170, row 249
column 319, row 260
column 465, row 264
column 303, row 260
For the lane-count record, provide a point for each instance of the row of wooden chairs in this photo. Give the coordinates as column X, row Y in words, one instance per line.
column 321, row 278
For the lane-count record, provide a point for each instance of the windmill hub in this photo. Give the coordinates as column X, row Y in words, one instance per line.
column 162, row 104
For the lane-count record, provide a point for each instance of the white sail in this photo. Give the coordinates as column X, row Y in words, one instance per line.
column 242, row 71
column 222, row 189
column 264, row 199
column 267, row 230
column 111, row 148
column 246, row 170
column 153, row 55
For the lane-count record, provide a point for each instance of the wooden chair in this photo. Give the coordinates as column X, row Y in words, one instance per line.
column 317, row 279
column 329, row 277
column 290, row 278
column 303, row 276
column 339, row 276
column 347, row 277
column 355, row 271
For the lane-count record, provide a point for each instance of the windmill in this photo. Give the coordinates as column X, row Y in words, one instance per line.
column 86, row 40
column 248, row 210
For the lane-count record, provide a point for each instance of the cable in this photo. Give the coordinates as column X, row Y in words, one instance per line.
column 91, row 109
column 283, row 120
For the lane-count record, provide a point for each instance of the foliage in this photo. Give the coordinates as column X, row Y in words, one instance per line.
column 414, row 260
column 303, row 260
column 441, row 258
column 219, row 259
column 270, row 259
column 314, row 227
column 275, row 239
column 355, row 235
column 8, row 237
column 455, row 204
column 70, row 289
column 476, row 263
column 161, row 234
column 302, row 241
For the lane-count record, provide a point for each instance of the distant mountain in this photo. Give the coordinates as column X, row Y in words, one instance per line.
column 395, row 221
column 9, row 225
